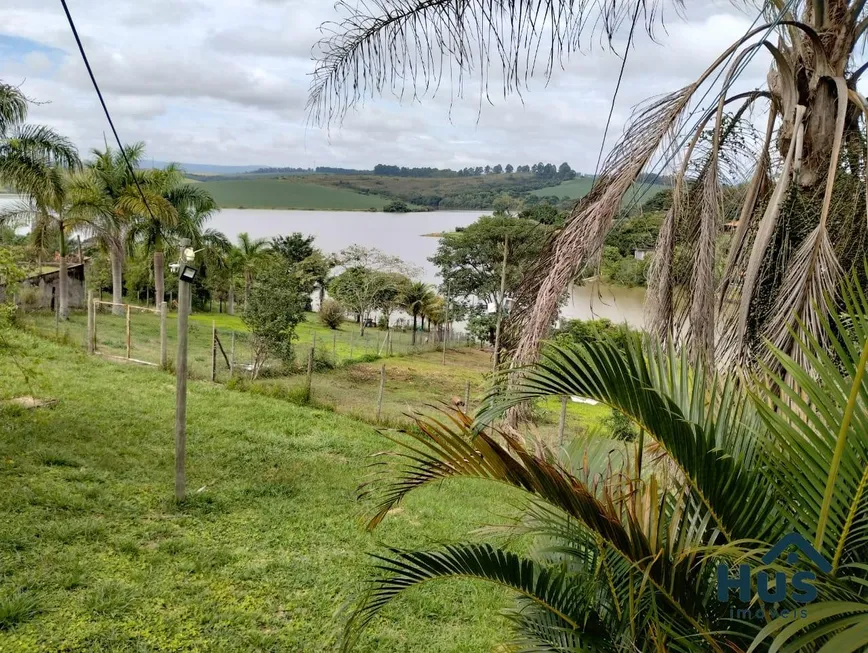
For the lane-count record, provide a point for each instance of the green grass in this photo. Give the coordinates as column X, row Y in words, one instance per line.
column 579, row 187
column 96, row 556
column 289, row 193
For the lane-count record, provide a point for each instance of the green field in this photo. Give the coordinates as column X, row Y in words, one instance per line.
column 291, row 193
column 578, row 188
column 96, row 556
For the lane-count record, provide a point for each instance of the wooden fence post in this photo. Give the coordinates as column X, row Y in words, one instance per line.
column 382, row 389
column 213, row 351
column 335, row 347
column 563, row 421
column 95, row 310
column 129, row 341
column 467, row 397
column 164, row 335
column 232, row 357
column 309, row 380
column 91, row 310
column 352, row 341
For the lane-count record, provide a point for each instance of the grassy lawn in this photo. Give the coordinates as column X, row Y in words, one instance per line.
column 95, row 555
column 290, row 193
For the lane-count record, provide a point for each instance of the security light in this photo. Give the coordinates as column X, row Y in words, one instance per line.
column 188, row 273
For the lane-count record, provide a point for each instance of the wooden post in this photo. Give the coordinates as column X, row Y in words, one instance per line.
column 232, row 357
column 164, row 335
column 95, row 310
column 389, row 336
column 382, row 389
column 352, row 341
column 213, row 351
column 335, row 347
column 91, row 318
column 181, row 386
column 562, row 424
column 467, row 397
column 129, row 342
column 446, row 324
column 309, row 380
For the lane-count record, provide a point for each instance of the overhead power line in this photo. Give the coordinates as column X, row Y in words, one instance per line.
column 104, row 107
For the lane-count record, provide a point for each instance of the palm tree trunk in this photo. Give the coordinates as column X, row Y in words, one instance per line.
column 248, row 281
column 230, row 301
column 116, row 255
column 62, row 279
column 159, row 278
column 414, row 329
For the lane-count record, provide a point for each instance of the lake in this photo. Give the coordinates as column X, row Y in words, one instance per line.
column 402, row 234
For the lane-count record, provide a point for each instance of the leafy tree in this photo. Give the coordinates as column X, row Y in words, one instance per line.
column 544, row 213
column 391, row 295
column 630, row 544
column 367, row 280
column 801, row 216
column 274, row 307
column 294, row 248
column 509, row 168
column 586, row 332
column 497, row 170
column 397, row 206
column 331, row 313
column 414, row 299
column 471, row 259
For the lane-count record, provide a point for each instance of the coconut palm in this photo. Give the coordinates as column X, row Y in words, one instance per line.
column 111, row 195
column 801, row 223
column 249, row 253
column 416, row 297
column 192, row 206
column 629, row 541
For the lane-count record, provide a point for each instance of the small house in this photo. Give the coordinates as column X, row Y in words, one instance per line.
column 642, row 252
column 48, row 285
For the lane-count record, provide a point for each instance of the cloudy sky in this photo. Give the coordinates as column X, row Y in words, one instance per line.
column 225, row 82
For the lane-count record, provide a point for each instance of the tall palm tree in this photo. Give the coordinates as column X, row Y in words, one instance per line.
column 631, row 542
column 191, row 206
column 249, row 253
column 28, row 153
column 790, row 247
column 106, row 195
column 416, row 297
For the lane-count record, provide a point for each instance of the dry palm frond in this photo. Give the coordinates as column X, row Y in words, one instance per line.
column 815, row 271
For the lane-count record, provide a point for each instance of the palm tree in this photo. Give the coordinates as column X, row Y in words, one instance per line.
column 249, row 253
column 415, row 298
column 191, row 205
column 110, row 194
column 631, row 541
column 790, row 248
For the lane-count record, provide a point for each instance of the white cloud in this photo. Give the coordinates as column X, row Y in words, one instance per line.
column 226, row 82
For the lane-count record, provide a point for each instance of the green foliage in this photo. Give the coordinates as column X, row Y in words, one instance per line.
column 290, row 193
column 331, row 313
column 17, row 607
column 274, row 308
column 636, row 232
column 293, row 248
column 396, row 206
column 624, row 270
column 762, row 457
column 482, row 325
column 619, row 426
column 471, row 259
column 587, row 332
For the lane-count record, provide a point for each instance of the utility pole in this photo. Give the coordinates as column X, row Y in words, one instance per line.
column 496, row 359
column 181, row 379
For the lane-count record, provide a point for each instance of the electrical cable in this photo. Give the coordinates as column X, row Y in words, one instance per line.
column 105, row 108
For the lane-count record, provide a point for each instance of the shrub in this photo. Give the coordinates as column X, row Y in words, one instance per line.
column 331, row 313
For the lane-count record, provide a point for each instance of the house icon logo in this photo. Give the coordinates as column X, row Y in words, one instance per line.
column 774, row 587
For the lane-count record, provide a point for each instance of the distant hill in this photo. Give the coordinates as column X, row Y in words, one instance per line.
column 578, row 188
column 292, row 192
column 206, row 168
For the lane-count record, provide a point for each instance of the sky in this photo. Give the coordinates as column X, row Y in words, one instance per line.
column 225, row 82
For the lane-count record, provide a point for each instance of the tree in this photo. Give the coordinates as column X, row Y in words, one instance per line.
column 790, row 247
column 417, row 295
column 331, row 313
column 294, row 248
column 274, row 307
column 509, row 168
column 632, row 546
column 498, row 169
column 391, row 295
column 366, row 280
column 471, row 260
column 108, row 195
column 191, row 206
column 250, row 254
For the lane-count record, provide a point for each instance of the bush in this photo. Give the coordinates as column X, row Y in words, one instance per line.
column 620, row 426
column 331, row 313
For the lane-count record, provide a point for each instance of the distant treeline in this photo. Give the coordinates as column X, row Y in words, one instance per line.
column 323, row 170
column 542, row 170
